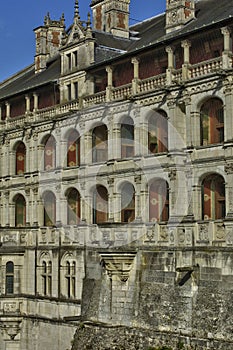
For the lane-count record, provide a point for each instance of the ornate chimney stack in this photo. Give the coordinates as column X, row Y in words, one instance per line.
column 48, row 41
column 178, row 13
column 111, row 16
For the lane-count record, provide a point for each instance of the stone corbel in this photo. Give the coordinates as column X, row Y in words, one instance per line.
column 118, row 264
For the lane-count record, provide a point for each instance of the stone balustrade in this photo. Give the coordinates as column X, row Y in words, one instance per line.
column 204, row 233
column 206, row 67
column 151, row 83
column 120, row 93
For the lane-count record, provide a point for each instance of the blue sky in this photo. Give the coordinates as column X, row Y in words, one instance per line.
column 19, row 18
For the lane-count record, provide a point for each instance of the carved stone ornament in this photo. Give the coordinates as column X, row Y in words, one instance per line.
column 118, row 264
column 229, row 168
column 203, row 232
column 172, row 174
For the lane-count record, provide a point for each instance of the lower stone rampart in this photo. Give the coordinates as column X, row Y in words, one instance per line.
column 91, row 336
column 168, row 299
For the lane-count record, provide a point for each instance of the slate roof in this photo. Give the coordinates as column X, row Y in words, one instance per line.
column 144, row 34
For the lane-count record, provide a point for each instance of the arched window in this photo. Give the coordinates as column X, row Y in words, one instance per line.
column 9, row 277
column 213, row 197
column 46, row 277
column 20, row 211
column 212, row 122
column 73, row 208
column 70, row 277
column 127, row 203
column 158, row 132
column 100, row 144
column 127, row 138
column 73, row 149
column 49, row 201
column 158, row 200
column 100, row 205
column 20, row 163
column 50, row 153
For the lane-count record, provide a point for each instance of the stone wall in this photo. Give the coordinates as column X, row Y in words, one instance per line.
column 177, row 298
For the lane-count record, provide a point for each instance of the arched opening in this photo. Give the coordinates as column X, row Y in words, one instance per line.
column 158, row 132
column 127, row 203
column 20, row 211
column 213, row 197
column 127, row 138
column 73, row 207
column 73, row 149
column 158, row 201
column 100, row 144
column 50, row 153
column 49, row 201
column 212, row 122
column 100, row 205
column 20, row 159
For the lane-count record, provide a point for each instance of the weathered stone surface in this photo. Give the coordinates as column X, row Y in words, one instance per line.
column 163, row 303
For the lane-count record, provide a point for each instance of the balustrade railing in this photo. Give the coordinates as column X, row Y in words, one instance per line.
column 206, row 67
column 118, row 93
column 122, row 92
column 151, row 83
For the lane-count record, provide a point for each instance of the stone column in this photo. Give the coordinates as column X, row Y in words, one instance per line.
column 40, row 157
column 27, row 102
column 117, row 206
column 109, row 71
column 228, row 115
column 229, row 190
column 196, row 128
column 29, row 204
column 36, row 102
column 110, row 199
column 197, row 204
column 170, row 68
column 116, row 154
column 138, row 209
column 189, row 126
column 171, row 129
column 6, row 209
column 227, row 52
column 178, row 193
column 135, row 63
column 185, row 66
column 40, row 210
column 137, row 140
column 34, row 195
column 110, row 137
column 88, row 147
column 8, row 110
column 143, row 137
column 82, row 144
column 11, row 161
column 58, row 161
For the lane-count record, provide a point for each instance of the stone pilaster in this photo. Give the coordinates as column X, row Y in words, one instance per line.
column 185, row 66
column 227, row 52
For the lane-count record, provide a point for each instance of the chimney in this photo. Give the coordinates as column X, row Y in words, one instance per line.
column 178, row 13
column 48, row 41
column 111, row 16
